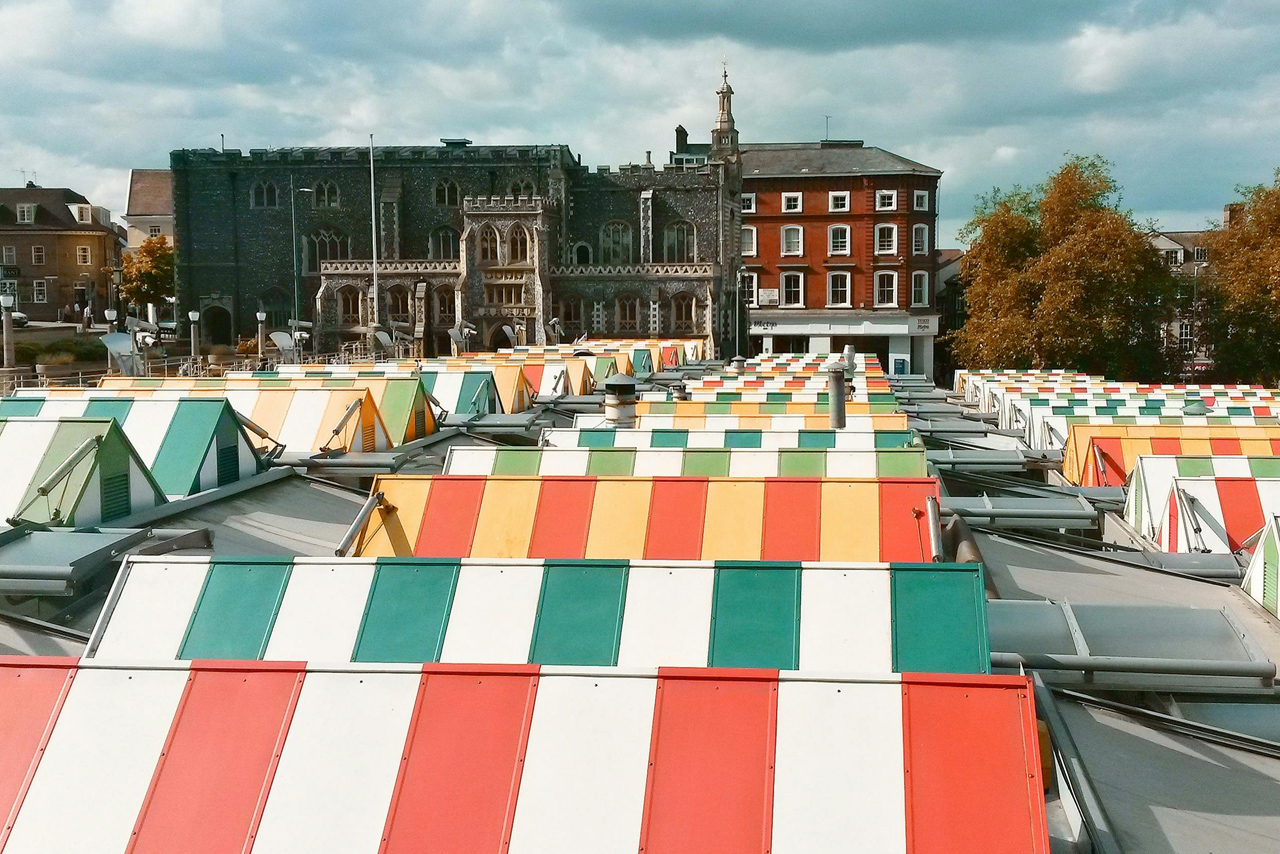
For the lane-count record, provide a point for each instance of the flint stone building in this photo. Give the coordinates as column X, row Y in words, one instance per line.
column 522, row 237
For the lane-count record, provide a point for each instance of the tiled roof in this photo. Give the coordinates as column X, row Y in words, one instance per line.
column 830, row 157
column 150, row 192
column 52, row 212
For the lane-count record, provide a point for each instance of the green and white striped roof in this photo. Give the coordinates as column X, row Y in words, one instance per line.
column 844, row 440
column 832, row 617
column 1262, row 581
column 678, row 462
column 109, row 482
column 189, row 444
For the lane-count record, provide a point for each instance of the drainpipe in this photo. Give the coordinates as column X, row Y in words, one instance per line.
column 836, row 395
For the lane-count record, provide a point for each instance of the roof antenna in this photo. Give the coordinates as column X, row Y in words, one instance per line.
column 223, row 138
column 23, row 173
column 828, row 118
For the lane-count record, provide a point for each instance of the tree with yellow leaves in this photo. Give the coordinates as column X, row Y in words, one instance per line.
column 148, row 273
column 1060, row 276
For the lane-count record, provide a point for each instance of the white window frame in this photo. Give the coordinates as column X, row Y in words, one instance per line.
column 921, row 200
column 9, row 286
column 26, row 214
column 748, row 203
column 893, row 230
column 831, row 241
column 38, row 260
column 921, row 248
column 782, row 246
column 752, row 286
column 154, row 231
column 782, row 290
column 9, row 256
column 886, row 200
column 875, row 295
column 84, row 213
column 85, row 252
column 838, row 202
column 1200, row 253
column 917, row 277
column 798, row 198
column 755, row 243
column 40, row 292
column 847, row 302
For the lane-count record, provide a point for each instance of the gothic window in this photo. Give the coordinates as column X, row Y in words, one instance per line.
column 628, row 314
column 447, row 194
column 488, row 246
column 444, row 306
column 569, row 310
column 264, row 195
column 678, row 243
column 277, row 307
column 615, row 243
column 324, row 245
column 325, row 195
column 444, row 244
column 349, row 306
column 398, row 304
column 518, row 248
column 523, row 188
column 582, row 254
column 684, row 314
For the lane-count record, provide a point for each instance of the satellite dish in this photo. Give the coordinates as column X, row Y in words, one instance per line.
column 510, row 333
column 553, row 330
column 284, row 342
column 383, row 339
column 121, row 350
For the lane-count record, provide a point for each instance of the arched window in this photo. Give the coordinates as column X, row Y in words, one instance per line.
column 886, row 289
column 447, row 194
column 886, row 239
column 398, row 303
column 445, row 313
column 523, row 188
column 615, row 243
column 349, row 306
column 518, row 245
column 488, row 246
column 569, row 310
column 920, row 239
column 628, row 314
column 264, row 195
column 678, row 244
column 792, row 240
column 838, row 240
column 444, row 244
column 276, row 304
column 582, row 253
column 920, row 288
column 325, row 195
column 324, row 245
column 684, row 314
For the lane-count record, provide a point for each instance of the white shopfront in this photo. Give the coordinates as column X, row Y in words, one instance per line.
column 904, row 341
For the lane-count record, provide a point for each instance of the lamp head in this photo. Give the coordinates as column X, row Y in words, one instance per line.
column 193, row 316
column 111, row 315
column 262, row 317
column 6, row 301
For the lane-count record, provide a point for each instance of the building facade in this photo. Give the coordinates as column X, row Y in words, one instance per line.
column 838, row 244
column 503, row 244
column 54, row 249
column 150, row 208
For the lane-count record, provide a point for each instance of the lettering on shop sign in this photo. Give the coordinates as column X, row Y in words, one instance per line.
column 764, row 324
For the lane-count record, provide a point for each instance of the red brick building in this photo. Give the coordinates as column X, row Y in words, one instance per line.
column 838, row 246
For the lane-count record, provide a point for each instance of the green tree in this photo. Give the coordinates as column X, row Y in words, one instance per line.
column 1242, row 291
column 1059, row 276
column 148, row 273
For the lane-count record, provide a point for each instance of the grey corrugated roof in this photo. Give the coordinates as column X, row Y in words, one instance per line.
column 832, row 157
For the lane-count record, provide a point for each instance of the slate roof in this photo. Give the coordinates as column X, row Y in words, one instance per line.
column 150, row 192
column 829, row 157
column 52, row 213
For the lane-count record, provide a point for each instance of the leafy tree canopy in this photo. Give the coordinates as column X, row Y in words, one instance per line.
column 148, row 273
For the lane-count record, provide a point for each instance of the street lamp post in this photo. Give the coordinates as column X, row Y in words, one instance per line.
column 262, row 333
column 111, row 315
column 113, row 298
column 293, row 216
column 6, row 303
column 194, row 317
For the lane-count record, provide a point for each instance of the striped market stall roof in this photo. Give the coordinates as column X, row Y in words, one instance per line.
column 683, row 462
column 1215, row 514
column 232, row 756
column 304, row 420
column 849, row 618
column 1263, row 578
column 638, row 518
column 1104, row 454
column 400, row 399
column 736, row 419
column 189, row 444
column 1022, row 413
column 478, row 392
column 109, row 481
column 1153, row 476
column 783, row 406
column 868, row 438
column 1049, row 428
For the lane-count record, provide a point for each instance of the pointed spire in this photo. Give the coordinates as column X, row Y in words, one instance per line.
column 724, row 137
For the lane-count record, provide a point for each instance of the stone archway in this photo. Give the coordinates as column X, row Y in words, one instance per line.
column 216, row 325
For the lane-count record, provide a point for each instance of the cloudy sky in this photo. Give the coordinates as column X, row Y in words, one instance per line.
column 1182, row 95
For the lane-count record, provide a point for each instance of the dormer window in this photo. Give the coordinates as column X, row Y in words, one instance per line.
column 84, row 213
column 26, row 214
